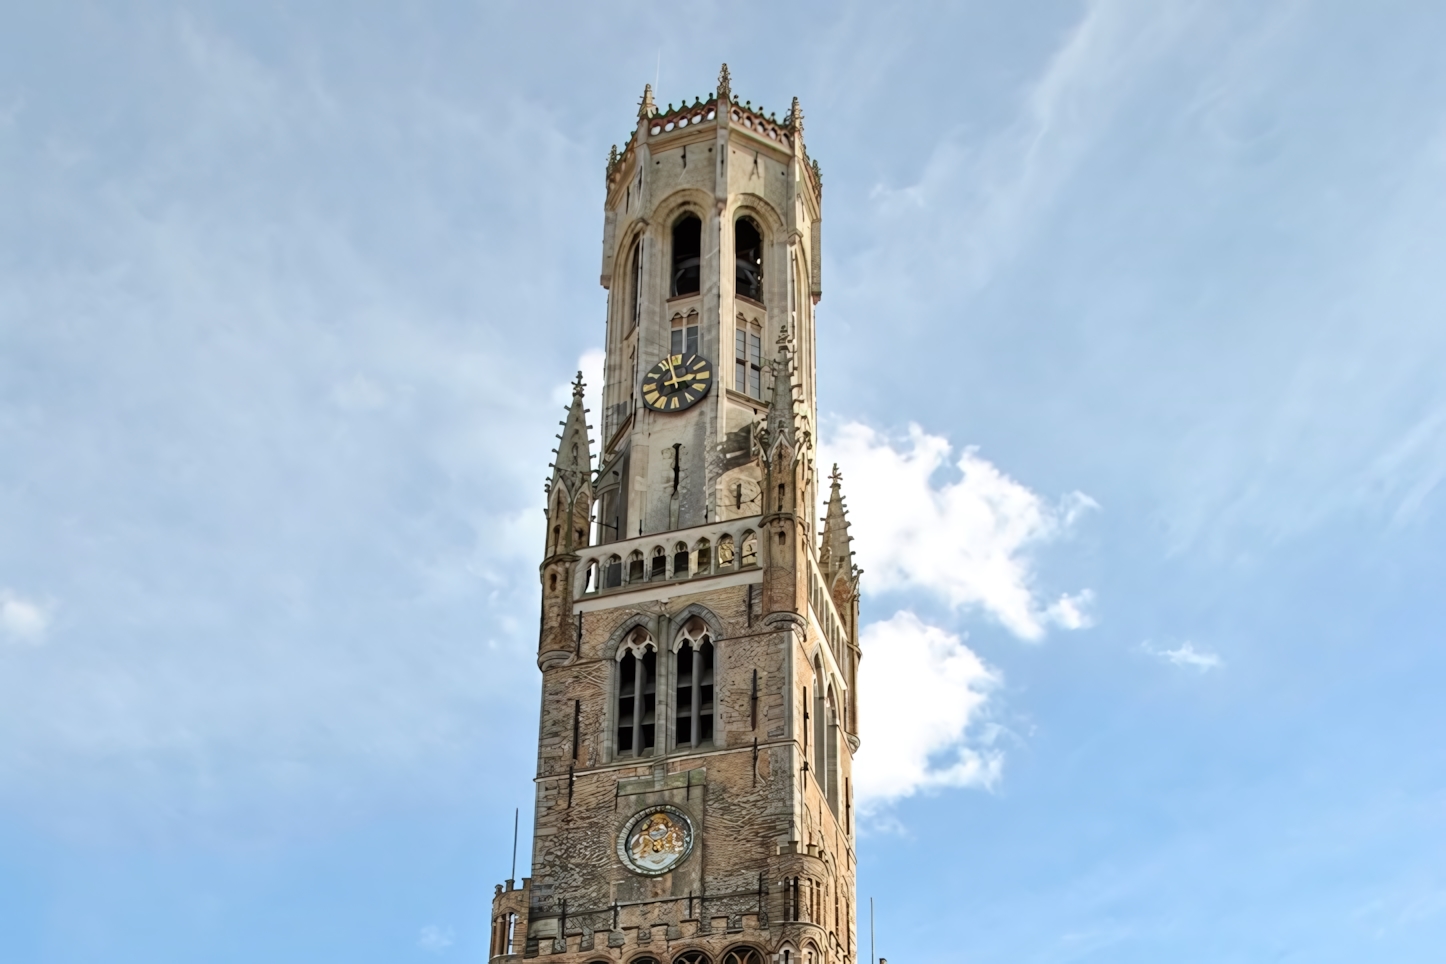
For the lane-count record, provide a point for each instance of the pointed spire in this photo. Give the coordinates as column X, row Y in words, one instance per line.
column 795, row 117
column 725, row 85
column 646, row 107
column 780, row 405
column 836, row 557
column 573, row 466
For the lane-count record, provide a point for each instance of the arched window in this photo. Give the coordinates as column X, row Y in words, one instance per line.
column 703, row 557
column 743, row 955
column 750, row 549
column 680, row 560
column 725, row 552
column 660, row 564
column 635, row 566
column 637, row 695
column 748, row 259
column 693, row 723
column 613, row 574
column 590, row 579
column 687, row 251
column 691, row 957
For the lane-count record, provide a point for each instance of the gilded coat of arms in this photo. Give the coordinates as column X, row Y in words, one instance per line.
column 656, row 840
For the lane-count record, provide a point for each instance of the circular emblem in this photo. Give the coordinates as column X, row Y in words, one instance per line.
column 656, row 840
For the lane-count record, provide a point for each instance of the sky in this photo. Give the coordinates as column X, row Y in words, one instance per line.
column 1130, row 347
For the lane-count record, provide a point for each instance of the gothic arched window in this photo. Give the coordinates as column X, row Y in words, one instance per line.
column 748, row 259
column 680, row 560
column 660, row 563
column 637, row 694
column 703, row 557
column 693, row 705
column 635, row 566
column 691, row 957
column 687, row 255
column 743, row 955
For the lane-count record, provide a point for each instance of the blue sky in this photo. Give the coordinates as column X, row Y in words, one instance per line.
column 1139, row 304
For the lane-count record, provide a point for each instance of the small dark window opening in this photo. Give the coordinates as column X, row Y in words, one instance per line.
column 637, row 313
column 680, row 561
column 613, row 576
column 660, row 564
column 635, row 568
column 782, row 490
column 694, row 714
column 552, row 582
column 687, row 251
column 637, row 698
column 748, row 258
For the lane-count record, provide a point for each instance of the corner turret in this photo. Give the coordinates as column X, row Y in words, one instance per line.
column 569, row 505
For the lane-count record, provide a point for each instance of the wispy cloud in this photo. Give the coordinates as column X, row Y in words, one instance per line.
column 926, row 692
column 1186, row 655
column 996, row 192
column 435, row 939
column 23, row 621
column 967, row 541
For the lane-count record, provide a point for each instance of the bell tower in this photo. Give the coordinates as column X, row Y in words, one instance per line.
column 699, row 631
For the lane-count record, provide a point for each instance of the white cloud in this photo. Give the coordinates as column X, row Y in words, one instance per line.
column 1186, row 655
column 923, row 691
column 23, row 620
column 435, row 939
column 967, row 541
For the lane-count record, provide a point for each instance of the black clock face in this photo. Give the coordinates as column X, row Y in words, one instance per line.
column 677, row 382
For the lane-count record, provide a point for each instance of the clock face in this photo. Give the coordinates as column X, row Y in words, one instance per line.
column 677, row 382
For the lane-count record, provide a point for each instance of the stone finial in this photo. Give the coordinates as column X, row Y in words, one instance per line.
column 573, row 465
column 725, row 85
column 646, row 107
column 613, row 157
column 795, row 116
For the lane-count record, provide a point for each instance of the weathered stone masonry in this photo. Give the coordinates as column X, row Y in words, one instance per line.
column 698, row 638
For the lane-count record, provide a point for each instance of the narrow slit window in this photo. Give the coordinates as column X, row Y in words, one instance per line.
column 748, row 259
column 637, row 312
column 687, row 251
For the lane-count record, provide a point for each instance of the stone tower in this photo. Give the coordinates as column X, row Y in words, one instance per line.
column 699, row 639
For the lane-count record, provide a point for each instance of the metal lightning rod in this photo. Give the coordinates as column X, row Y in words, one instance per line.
column 517, row 812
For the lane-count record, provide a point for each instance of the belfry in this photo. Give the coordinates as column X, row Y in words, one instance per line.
column 699, row 639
